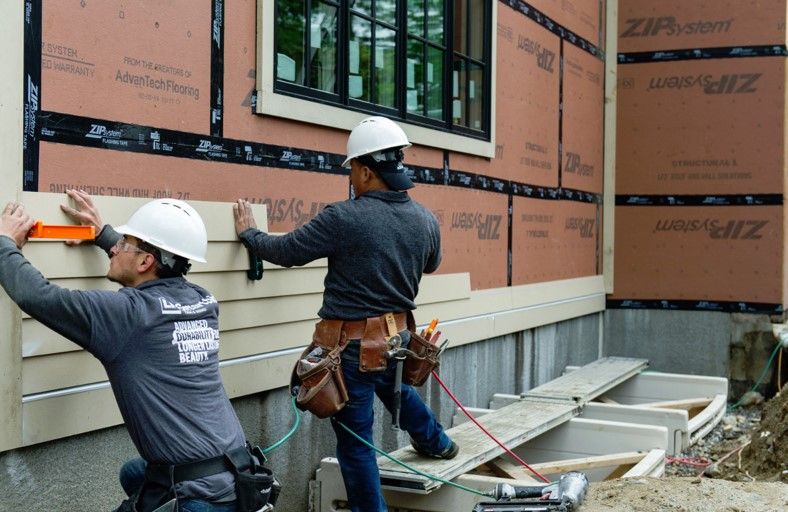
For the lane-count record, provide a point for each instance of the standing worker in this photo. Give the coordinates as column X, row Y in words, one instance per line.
column 378, row 244
column 158, row 340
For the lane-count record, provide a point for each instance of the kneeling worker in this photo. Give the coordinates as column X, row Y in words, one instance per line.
column 158, row 339
column 378, row 246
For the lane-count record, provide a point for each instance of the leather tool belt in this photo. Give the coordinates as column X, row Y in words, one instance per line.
column 319, row 386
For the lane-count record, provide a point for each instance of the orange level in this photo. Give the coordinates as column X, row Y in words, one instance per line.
column 69, row 232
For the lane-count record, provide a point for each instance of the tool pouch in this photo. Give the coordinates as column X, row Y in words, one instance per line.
column 320, row 387
column 422, row 360
column 255, row 485
column 374, row 344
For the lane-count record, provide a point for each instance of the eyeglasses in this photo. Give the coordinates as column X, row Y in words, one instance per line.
column 124, row 246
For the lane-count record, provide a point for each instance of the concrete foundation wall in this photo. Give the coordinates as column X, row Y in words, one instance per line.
column 80, row 473
column 694, row 342
column 732, row 345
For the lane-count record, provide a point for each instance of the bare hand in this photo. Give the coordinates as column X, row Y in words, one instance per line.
column 15, row 223
column 244, row 218
column 85, row 213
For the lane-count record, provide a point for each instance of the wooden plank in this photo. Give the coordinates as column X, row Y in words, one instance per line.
column 684, row 403
column 513, row 425
column 507, row 469
column 590, row 381
column 581, row 463
column 609, row 193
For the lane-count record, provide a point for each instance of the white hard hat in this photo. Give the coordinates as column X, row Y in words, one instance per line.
column 170, row 225
column 374, row 134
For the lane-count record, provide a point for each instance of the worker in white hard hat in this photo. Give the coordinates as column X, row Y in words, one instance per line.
column 378, row 245
column 158, row 340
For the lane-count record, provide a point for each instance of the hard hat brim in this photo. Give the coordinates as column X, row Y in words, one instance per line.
column 126, row 230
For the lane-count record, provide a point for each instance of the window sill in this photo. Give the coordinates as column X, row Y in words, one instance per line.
column 289, row 107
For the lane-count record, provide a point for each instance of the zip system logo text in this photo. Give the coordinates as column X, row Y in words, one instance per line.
column 487, row 226
column 731, row 83
column 717, row 230
column 669, row 26
column 545, row 59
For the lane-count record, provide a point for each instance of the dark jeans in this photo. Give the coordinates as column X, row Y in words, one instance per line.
column 132, row 475
column 358, row 462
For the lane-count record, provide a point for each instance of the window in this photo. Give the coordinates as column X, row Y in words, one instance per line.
column 425, row 62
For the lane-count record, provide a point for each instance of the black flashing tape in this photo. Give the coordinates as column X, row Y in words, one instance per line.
column 561, row 114
column 217, row 68
column 82, row 131
column 509, row 238
column 98, row 133
column 696, row 305
column 701, row 200
column 728, row 52
column 562, row 32
column 32, row 94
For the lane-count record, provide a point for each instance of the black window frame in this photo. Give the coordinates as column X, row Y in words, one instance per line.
column 342, row 99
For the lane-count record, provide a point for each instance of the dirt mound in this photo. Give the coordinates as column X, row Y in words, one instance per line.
column 685, row 494
column 766, row 457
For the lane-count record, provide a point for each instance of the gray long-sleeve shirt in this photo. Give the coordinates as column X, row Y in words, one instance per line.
column 378, row 246
column 159, row 344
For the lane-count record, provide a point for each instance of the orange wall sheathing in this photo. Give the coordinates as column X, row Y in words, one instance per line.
column 292, row 197
column 583, row 136
column 474, row 231
column 701, row 127
column 97, row 58
column 527, row 116
column 648, row 25
column 718, row 253
column 580, row 16
column 553, row 240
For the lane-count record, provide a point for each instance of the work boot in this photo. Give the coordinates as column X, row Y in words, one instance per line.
column 449, row 452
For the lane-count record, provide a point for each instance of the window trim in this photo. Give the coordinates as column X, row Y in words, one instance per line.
column 346, row 117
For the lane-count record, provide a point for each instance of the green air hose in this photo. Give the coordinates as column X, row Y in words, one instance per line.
column 409, row 468
column 289, row 434
column 763, row 374
column 431, row 477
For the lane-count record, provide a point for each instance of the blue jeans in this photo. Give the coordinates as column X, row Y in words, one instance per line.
column 357, row 462
column 132, row 475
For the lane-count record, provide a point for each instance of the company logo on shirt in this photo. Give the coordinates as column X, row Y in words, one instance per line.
column 174, row 308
